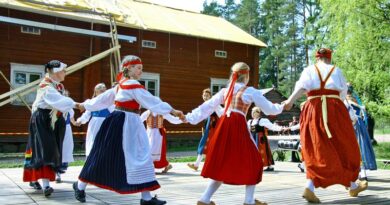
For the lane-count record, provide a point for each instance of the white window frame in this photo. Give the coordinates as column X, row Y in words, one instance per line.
column 149, row 44
column 152, row 77
column 220, row 54
column 220, row 82
column 28, row 69
column 35, row 30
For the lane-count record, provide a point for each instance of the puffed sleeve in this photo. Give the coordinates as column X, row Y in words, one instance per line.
column 84, row 118
column 206, row 109
column 102, row 101
column 268, row 124
column 145, row 115
column 150, row 102
column 256, row 96
column 59, row 102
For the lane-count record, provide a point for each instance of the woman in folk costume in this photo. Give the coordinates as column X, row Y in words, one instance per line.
column 67, row 145
column 120, row 158
column 95, row 119
column 158, row 137
column 47, row 129
column 207, row 131
column 366, row 151
column 259, row 129
column 328, row 140
column 232, row 156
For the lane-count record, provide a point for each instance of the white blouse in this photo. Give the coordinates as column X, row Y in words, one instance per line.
column 264, row 122
column 142, row 96
column 309, row 79
column 49, row 98
column 250, row 95
column 172, row 119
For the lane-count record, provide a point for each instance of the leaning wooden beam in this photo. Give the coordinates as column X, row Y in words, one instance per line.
column 22, row 93
column 20, row 97
column 69, row 70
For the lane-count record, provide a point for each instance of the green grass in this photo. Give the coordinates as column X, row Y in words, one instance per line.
column 382, row 151
column 181, row 149
column 382, row 131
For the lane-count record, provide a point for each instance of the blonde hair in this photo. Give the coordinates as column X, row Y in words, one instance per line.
column 237, row 67
column 99, row 87
column 126, row 59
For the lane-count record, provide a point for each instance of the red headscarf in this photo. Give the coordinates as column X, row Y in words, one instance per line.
column 326, row 54
column 125, row 65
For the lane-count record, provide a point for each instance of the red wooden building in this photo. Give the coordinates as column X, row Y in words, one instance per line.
column 183, row 52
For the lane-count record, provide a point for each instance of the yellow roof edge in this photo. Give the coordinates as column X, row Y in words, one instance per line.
column 106, row 22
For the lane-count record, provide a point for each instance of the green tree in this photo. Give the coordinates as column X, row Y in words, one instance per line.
column 360, row 37
column 248, row 16
column 213, row 8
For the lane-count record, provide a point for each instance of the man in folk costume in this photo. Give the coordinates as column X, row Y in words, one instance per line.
column 232, row 156
column 158, row 137
column 207, row 131
column 47, row 129
column 328, row 140
column 259, row 129
column 120, row 158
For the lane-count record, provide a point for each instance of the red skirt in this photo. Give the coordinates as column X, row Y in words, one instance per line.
column 32, row 175
column 232, row 155
column 265, row 150
column 333, row 160
column 163, row 159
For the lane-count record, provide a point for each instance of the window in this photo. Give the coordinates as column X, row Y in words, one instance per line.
column 217, row 84
column 22, row 74
column 30, row 30
column 220, row 54
column 151, row 81
column 149, row 44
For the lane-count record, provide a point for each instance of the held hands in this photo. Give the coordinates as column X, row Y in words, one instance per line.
column 179, row 114
column 75, row 123
column 287, row 104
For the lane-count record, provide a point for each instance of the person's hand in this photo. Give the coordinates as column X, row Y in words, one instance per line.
column 287, row 104
column 75, row 123
column 179, row 114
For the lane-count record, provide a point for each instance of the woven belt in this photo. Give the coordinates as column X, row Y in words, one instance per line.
column 136, row 111
column 325, row 110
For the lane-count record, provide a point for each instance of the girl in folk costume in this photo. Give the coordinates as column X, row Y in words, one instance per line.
column 95, row 119
column 363, row 138
column 207, row 131
column 158, row 137
column 259, row 129
column 232, row 156
column 120, row 158
column 328, row 140
column 47, row 129
column 67, row 145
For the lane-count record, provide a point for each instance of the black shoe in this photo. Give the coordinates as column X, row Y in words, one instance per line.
column 363, row 179
column 153, row 201
column 301, row 168
column 35, row 185
column 269, row 169
column 48, row 190
column 78, row 194
column 58, row 177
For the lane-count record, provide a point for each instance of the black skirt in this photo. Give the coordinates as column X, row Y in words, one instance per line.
column 44, row 146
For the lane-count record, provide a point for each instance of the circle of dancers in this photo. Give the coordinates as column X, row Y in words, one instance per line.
column 122, row 154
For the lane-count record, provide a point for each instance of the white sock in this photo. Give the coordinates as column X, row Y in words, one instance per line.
column 310, row 185
column 198, row 160
column 81, row 185
column 250, row 194
column 210, row 190
column 353, row 186
column 146, row 195
column 45, row 183
column 362, row 172
column 303, row 165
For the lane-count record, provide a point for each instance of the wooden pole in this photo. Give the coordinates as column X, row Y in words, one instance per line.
column 24, row 90
column 20, row 97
